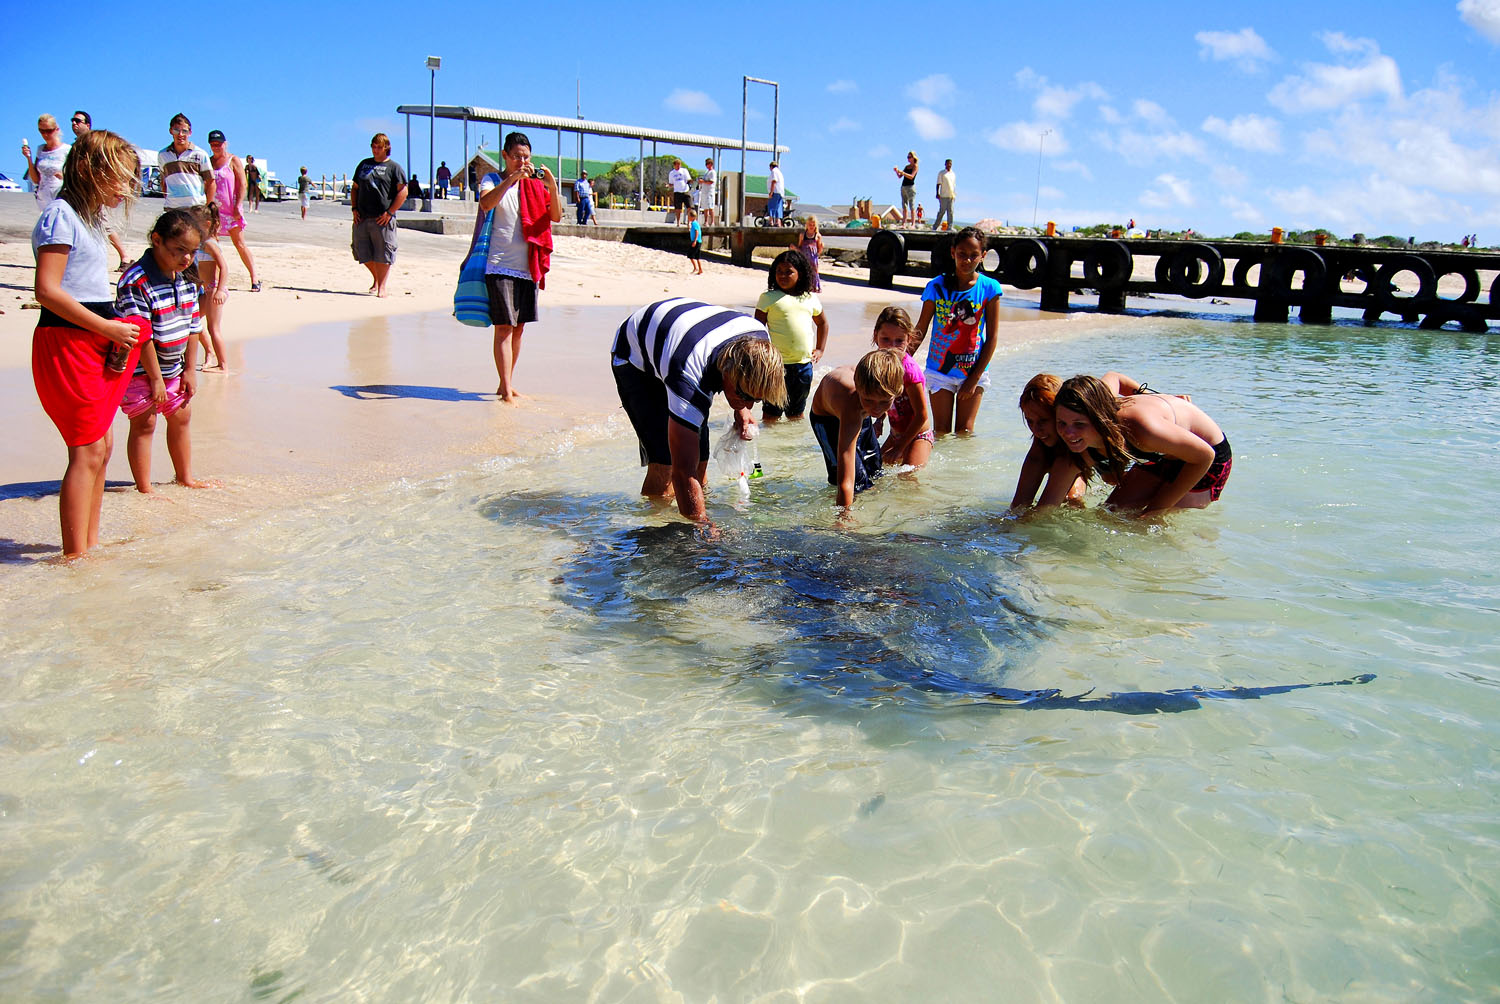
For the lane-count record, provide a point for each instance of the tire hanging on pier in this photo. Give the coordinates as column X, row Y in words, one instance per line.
column 1385, row 289
column 1277, row 271
column 1183, row 272
column 886, row 252
column 1024, row 263
column 1107, row 264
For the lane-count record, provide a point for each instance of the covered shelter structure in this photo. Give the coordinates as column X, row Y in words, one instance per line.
column 581, row 127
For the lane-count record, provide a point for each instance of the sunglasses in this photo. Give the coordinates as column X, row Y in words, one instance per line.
column 80, row 122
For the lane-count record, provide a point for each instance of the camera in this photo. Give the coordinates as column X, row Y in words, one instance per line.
column 536, row 172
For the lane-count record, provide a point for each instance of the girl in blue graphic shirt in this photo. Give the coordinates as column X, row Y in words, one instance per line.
column 959, row 309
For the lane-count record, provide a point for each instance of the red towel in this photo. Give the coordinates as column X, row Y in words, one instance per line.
column 536, row 227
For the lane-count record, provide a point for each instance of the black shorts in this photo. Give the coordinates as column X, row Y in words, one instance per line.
column 798, row 384
column 680, row 200
column 644, row 399
column 693, row 252
column 867, row 459
column 512, row 300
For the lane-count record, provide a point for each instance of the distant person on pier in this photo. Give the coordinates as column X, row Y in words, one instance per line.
column 947, row 191
column 304, row 191
column 708, row 183
column 776, row 187
column 908, row 176
column 444, row 176
column 583, row 193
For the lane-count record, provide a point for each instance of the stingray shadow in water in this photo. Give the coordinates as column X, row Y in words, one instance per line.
column 855, row 618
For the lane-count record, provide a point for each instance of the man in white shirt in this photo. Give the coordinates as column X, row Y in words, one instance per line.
column 680, row 179
column 707, row 186
column 776, row 204
column 947, row 190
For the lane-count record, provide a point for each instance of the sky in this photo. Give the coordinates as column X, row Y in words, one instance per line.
column 1377, row 117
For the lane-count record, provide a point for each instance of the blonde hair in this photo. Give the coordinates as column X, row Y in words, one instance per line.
column 46, row 120
column 756, row 367
column 813, row 220
column 99, row 164
column 880, row 370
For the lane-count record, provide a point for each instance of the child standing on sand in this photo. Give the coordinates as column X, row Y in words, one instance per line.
column 1178, row 456
column 156, row 292
column 960, row 308
column 811, row 245
column 846, row 401
column 910, row 441
column 793, row 314
column 208, row 271
column 695, row 242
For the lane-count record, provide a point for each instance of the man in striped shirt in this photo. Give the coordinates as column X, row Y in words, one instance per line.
column 670, row 358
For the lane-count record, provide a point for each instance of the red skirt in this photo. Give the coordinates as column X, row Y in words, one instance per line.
column 76, row 391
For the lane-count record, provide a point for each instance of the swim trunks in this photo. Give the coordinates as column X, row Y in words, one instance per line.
column 867, row 460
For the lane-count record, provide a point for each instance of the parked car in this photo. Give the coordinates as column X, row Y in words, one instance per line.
column 9, row 185
column 274, row 191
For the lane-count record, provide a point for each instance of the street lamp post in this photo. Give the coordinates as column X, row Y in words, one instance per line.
column 1037, row 201
column 434, row 63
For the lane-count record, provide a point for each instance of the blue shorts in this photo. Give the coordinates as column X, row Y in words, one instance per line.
column 798, row 384
column 774, row 206
column 867, row 460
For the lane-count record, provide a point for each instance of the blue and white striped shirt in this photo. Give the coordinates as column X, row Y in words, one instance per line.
column 676, row 341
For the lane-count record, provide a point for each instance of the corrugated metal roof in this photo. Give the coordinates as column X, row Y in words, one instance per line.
column 581, row 125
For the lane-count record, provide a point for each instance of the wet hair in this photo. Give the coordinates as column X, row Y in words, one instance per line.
column 174, row 223
column 1089, row 397
column 756, row 367
column 515, row 139
column 1042, row 389
column 895, row 316
column 99, row 163
column 798, row 261
column 179, row 117
column 880, row 371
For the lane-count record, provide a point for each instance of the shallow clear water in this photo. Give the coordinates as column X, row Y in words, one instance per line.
column 512, row 734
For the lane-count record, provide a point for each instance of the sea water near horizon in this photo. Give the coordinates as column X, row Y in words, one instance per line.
column 512, row 734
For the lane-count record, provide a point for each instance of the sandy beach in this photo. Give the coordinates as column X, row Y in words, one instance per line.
column 330, row 388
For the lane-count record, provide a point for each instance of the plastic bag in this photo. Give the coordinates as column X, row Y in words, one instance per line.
column 738, row 459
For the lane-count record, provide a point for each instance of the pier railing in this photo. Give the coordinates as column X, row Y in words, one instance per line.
column 1375, row 281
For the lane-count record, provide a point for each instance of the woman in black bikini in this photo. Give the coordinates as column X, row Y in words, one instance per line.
column 1177, row 456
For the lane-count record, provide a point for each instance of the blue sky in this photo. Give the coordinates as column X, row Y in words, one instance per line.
column 1367, row 116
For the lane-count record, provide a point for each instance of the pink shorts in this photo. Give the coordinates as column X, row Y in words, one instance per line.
column 138, row 400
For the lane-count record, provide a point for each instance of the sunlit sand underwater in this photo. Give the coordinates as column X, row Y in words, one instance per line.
column 513, row 734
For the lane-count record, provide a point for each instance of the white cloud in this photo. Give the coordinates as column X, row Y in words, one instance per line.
column 1170, row 190
column 1483, row 16
column 1349, row 207
column 843, row 87
column 1077, row 167
column 695, row 102
column 1415, row 148
column 1323, row 87
column 844, row 124
column 934, row 90
column 1244, row 47
column 1255, row 133
column 1139, row 147
column 1055, row 101
column 929, row 124
column 1109, row 115
column 1227, row 176
column 1026, row 137
column 1151, row 112
column 1243, row 211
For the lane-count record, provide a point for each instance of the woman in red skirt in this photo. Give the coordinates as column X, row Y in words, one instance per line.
column 81, row 356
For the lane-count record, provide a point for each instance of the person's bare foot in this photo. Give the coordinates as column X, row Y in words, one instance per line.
column 215, row 368
column 194, row 483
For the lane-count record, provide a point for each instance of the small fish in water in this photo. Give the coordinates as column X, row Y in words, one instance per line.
column 869, row 808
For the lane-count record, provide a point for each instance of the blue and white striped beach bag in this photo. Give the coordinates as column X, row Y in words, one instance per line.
column 471, row 301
